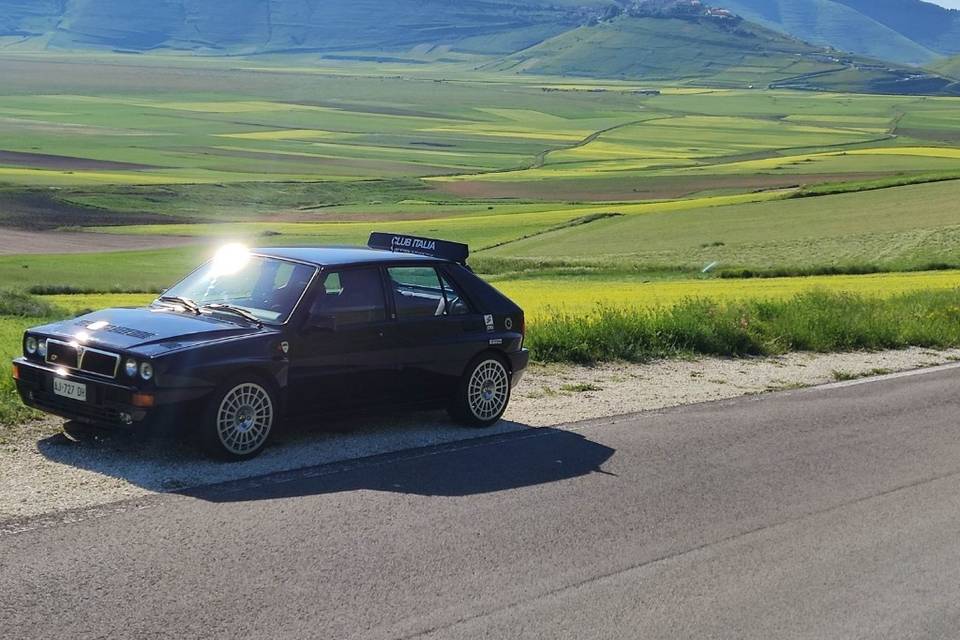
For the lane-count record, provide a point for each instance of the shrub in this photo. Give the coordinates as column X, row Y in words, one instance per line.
column 18, row 303
column 66, row 289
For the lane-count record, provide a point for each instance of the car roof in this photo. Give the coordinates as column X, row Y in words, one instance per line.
column 339, row 256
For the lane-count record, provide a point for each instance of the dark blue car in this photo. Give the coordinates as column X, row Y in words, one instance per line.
column 256, row 336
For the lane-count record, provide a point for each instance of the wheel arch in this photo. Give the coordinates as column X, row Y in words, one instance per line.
column 499, row 354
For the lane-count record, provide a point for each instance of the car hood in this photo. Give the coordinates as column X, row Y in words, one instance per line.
column 150, row 330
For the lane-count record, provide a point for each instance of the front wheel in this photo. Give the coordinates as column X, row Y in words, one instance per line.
column 239, row 419
column 483, row 393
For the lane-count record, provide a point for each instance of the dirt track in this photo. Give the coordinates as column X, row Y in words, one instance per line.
column 622, row 189
column 15, row 241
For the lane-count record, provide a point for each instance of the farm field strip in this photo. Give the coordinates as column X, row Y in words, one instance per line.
column 545, row 296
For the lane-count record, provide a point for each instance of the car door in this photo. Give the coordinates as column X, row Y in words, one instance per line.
column 437, row 330
column 344, row 356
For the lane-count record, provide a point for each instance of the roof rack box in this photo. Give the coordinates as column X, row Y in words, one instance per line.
column 453, row 251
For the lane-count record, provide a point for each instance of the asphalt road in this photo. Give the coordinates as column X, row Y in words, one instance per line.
column 824, row 513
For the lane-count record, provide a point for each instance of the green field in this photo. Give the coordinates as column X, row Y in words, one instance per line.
column 576, row 196
column 896, row 228
column 532, row 171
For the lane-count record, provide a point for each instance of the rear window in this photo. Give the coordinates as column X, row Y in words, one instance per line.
column 417, row 292
column 420, row 292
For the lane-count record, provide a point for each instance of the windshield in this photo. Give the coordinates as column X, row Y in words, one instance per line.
column 267, row 288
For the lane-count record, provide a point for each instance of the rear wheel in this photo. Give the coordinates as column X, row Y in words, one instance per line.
column 484, row 392
column 239, row 419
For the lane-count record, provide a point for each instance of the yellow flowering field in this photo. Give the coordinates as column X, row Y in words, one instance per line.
column 543, row 296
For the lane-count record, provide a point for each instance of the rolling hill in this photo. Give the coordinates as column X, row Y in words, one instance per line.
column 905, row 31
column 949, row 67
column 716, row 51
column 252, row 26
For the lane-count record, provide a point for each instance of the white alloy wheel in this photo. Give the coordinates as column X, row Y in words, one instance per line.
column 244, row 418
column 488, row 390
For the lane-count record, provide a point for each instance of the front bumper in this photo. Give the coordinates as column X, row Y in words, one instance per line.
column 518, row 364
column 108, row 403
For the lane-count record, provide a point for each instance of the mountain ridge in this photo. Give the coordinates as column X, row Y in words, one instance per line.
column 903, row 31
column 646, row 39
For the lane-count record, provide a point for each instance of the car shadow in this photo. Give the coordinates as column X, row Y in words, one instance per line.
column 484, row 465
column 421, row 453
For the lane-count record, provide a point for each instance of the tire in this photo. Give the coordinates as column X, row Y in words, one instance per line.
column 239, row 419
column 483, row 393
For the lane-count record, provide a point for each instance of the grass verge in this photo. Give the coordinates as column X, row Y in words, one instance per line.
column 18, row 311
column 814, row 321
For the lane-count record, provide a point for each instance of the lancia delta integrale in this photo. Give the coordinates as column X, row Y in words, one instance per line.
column 256, row 336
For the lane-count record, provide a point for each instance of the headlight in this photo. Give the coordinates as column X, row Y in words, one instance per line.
column 146, row 370
column 42, row 348
column 130, row 366
column 31, row 345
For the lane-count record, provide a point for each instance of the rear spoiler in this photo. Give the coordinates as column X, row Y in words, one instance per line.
column 453, row 251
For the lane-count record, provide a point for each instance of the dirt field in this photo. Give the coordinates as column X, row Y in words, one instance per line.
column 16, row 241
column 64, row 163
column 41, row 210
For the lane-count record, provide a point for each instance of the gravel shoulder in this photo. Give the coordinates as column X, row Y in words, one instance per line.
column 43, row 471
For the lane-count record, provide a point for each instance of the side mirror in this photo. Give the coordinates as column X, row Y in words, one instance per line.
column 322, row 322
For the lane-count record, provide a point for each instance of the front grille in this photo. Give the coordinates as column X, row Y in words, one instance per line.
column 99, row 362
column 87, row 359
column 62, row 354
column 74, row 409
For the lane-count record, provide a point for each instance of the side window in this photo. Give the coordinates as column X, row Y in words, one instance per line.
column 456, row 303
column 331, row 284
column 417, row 292
column 354, row 296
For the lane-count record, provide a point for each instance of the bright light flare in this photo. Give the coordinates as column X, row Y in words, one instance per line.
column 230, row 259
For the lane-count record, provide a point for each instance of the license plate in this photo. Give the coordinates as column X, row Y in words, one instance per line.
column 72, row 390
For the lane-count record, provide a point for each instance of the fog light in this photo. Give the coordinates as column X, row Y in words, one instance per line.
column 143, row 400
column 31, row 345
column 130, row 367
column 146, row 370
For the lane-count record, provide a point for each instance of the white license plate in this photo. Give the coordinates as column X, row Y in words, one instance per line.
column 72, row 390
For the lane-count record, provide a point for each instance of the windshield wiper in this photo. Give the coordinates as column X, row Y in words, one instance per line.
column 186, row 303
column 229, row 308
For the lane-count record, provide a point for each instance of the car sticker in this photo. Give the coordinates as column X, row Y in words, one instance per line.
column 488, row 319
